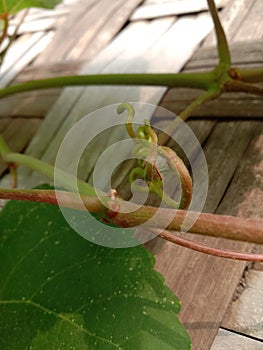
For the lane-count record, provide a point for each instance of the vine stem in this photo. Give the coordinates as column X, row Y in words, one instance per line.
column 250, row 75
column 194, row 80
column 131, row 215
column 70, row 200
column 222, row 45
column 203, row 248
column 65, row 179
column 238, row 86
column 171, row 128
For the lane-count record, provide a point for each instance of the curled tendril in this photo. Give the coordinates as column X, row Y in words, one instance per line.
column 147, row 150
column 125, row 106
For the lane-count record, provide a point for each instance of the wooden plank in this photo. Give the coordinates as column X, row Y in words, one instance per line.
column 88, row 29
column 251, row 27
column 21, row 46
column 232, row 139
column 170, row 8
column 34, row 26
column 29, row 105
column 231, row 341
column 36, row 14
column 243, row 54
column 111, row 26
column 19, row 57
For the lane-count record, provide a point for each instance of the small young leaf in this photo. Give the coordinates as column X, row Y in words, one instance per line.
column 59, row 291
column 13, row 6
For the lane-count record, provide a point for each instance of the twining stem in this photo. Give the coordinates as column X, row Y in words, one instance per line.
column 178, row 166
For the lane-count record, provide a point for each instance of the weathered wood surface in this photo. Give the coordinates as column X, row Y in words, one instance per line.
column 156, row 9
column 21, row 54
column 35, row 32
column 89, row 28
column 204, row 284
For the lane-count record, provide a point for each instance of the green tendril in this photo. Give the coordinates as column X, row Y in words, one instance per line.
column 146, row 152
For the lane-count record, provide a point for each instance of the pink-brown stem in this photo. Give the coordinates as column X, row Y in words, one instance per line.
column 203, row 248
column 131, row 215
column 69, row 199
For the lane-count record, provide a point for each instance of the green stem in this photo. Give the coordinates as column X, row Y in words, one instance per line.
column 66, row 180
column 206, row 96
column 193, row 80
column 222, row 45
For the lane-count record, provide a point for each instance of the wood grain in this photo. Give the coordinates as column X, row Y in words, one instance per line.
column 156, row 9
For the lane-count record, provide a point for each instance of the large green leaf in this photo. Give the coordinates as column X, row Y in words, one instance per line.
column 13, row 6
column 59, row 291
